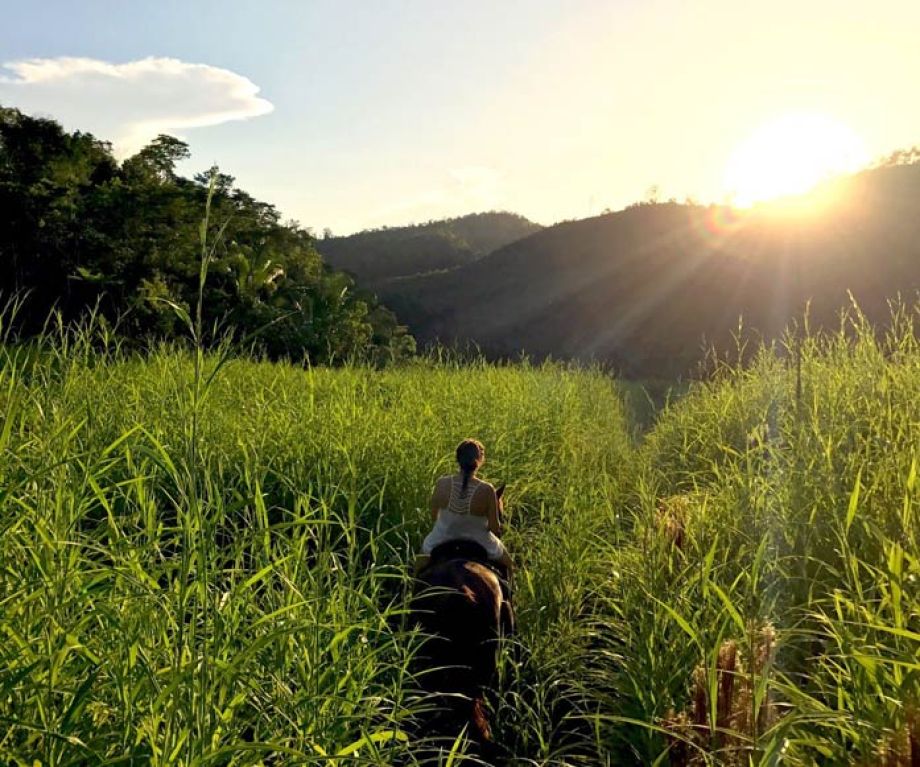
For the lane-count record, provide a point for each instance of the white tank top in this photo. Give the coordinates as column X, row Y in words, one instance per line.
column 456, row 521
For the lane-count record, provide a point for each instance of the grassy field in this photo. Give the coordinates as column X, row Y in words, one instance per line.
column 767, row 605
column 200, row 569
column 190, row 571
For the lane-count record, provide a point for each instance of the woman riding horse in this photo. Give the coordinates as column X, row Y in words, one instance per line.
column 461, row 602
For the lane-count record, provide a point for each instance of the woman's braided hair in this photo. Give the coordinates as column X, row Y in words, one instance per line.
column 470, row 455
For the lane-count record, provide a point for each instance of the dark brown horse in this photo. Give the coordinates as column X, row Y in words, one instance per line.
column 460, row 604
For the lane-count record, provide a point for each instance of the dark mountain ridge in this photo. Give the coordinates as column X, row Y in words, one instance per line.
column 647, row 288
column 376, row 256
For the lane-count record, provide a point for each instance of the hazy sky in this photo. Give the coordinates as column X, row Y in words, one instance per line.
column 357, row 114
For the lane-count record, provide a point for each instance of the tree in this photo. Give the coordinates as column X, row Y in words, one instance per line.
column 157, row 160
column 80, row 231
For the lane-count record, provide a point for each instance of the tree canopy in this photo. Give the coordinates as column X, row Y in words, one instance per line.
column 80, row 230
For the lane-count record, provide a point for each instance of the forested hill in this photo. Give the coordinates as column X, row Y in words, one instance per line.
column 378, row 255
column 645, row 288
column 79, row 231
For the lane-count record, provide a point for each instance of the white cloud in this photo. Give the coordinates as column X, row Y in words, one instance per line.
column 130, row 103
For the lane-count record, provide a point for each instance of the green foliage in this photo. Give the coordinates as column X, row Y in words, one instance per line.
column 211, row 566
column 202, row 558
column 774, row 549
column 79, row 231
column 204, row 568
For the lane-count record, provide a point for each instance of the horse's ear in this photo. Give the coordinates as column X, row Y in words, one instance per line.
column 501, row 491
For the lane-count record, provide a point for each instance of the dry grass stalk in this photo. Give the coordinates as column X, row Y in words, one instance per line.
column 672, row 516
column 735, row 722
column 900, row 748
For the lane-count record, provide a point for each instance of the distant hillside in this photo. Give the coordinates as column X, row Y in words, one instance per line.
column 378, row 255
column 646, row 287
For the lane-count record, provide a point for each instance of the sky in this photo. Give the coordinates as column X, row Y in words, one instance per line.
column 350, row 115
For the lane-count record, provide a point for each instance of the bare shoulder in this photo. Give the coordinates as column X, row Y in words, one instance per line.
column 442, row 487
column 483, row 498
column 485, row 488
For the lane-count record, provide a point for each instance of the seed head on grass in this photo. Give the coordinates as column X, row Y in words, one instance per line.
column 735, row 727
column 900, row 748
column 672, row 517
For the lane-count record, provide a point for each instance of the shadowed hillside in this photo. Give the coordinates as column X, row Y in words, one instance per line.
column 378, row 255
column 645, row 288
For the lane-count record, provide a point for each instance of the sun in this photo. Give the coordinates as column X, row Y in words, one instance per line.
column 789, row 156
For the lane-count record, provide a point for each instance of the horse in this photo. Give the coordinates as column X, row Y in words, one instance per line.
column 460, row 604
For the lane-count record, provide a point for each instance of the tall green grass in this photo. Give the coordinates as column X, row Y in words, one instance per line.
column 766, row 608
column 216, row 573
column 203, row 560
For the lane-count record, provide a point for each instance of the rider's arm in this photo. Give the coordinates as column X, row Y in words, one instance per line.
column 492, row 513
column 440, row 497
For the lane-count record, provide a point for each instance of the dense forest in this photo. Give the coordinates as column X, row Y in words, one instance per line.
column 379, row 256
column 80, row 231
column 650, row 288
